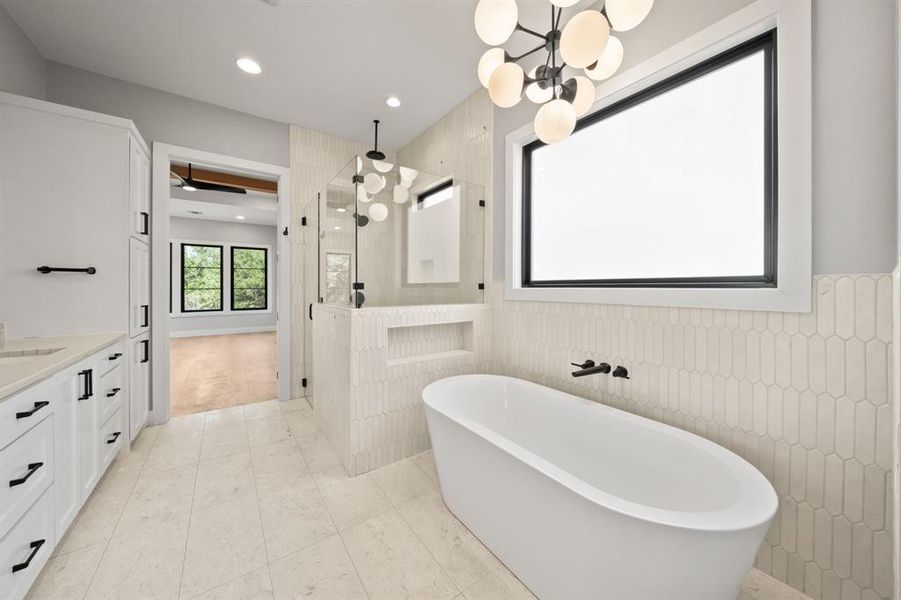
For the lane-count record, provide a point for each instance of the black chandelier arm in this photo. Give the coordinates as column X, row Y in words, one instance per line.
column 530, row 31
column 521, row 56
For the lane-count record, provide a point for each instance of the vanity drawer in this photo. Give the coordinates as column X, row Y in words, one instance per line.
column 111, row 357
column 23, row 411
column 112, row 436
column 25, row 549
column 111, row 391
column 26, row 470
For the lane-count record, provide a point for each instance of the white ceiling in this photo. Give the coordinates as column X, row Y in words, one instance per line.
column 256, row 208
column 327, row 65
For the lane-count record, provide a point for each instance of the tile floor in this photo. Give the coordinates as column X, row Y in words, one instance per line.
column 218, row 371
column 251, row 503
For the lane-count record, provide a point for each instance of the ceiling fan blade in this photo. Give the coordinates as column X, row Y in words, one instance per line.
column 216, row 187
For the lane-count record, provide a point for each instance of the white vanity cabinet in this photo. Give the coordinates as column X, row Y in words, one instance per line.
column 57, row 438
column 87, row 180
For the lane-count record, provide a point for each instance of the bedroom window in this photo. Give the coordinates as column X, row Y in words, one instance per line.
column 249, row 283
column 201, row 278
column 673, row 186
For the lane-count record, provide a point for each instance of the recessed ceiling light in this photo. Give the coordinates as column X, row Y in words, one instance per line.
column 195, row 212
column 392, row 101
column 239, row 217
column 189, row 188
column 248, row 65
column 337, row 228
column 341, row 209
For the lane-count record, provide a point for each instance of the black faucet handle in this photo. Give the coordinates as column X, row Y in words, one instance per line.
column 585, row 365
column 620, row 371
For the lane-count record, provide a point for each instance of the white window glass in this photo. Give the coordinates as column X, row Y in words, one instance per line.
column 433, row 237
column 674, row 186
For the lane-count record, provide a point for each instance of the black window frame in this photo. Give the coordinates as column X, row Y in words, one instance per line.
column 231, row 257
column 423, row 196
column 221, row 278
column 765, row 42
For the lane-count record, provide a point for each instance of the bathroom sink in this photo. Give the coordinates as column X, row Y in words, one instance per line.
column 8, row 357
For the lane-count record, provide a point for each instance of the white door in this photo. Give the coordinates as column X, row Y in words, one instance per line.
column 139, row 191
column 139, row 379
column 87, row 428
column 138, row 287
column 63, row 390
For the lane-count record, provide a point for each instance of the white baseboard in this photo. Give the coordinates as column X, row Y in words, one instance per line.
column 229, row 331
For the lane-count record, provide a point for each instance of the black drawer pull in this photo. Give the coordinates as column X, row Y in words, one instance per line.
column 113, row 392
column 146, row 344
column 115, row 356
column 32, row 468
column 37, row 406
column 88, row 383
column 115, row 437
column 35, row 546
column 145, row 223
column 145, row 314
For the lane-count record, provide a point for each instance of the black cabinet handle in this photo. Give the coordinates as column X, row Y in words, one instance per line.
column 145, row 223
column 113, row 392
column 32, row 468
column 44, row 269
column 115, row 356
column 88, row 383
column 145, row 311
column 115, row 437
column 311, row 312
column 146, row 344
column 37, row 406
column 35, row 546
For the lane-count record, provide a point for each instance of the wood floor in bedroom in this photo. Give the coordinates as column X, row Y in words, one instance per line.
column 219, row 371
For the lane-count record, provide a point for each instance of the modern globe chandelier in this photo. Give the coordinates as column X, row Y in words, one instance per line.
column 584, row 45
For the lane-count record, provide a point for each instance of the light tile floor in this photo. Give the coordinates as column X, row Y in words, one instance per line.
column 251, row 503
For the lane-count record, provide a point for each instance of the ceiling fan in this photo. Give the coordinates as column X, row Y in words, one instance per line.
column 189, row 184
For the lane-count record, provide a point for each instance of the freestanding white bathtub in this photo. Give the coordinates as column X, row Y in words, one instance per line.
column 586, row 502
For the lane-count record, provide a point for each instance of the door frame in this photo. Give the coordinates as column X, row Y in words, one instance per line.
column 163, row 155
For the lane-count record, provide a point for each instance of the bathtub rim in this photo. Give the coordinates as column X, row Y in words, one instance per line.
column 757, row 505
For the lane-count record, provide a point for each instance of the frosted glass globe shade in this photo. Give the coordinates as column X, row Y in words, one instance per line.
column 564, row 3
column 378, row 212
column 492, row 59
column 373, row 182
column 555, row 121
column 584, row 38
column 495, row 20
column 362, row 196
column 584, row 95
column 505, row 86
column 407, row 175
column 534, row 91
column 401, row 194
column 382, row 166
column 627, row 14
column 609, row 62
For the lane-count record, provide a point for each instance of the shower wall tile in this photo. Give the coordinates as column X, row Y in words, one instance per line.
column 316, row 157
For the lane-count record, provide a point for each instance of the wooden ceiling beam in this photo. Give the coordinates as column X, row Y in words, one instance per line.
column 205, row 175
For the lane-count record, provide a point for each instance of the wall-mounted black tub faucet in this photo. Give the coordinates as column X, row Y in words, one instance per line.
column 589, row 368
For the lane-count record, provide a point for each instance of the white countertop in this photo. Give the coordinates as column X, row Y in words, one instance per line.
column 22, row 372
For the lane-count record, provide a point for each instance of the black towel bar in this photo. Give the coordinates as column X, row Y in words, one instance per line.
column 45, row 269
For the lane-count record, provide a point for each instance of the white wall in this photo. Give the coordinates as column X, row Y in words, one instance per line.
column 23, row 70
column 854, row 125
column 164, row 117
column 235, row 233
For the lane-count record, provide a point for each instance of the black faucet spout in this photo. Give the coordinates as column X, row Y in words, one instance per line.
column 591, row 370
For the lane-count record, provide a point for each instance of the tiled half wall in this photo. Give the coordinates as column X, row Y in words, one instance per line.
column 372, row 365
